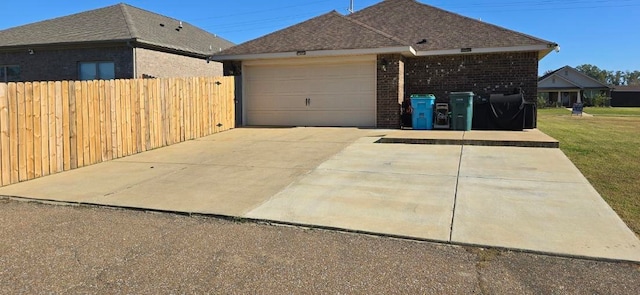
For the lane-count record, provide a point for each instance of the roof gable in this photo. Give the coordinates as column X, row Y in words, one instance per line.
column 155, row 29
column 557, row 82
column 119, row 22
column 570, row 76
column 401, row 25
column 414, row 22
column 330, row 31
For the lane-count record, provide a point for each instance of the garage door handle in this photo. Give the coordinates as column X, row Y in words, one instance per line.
column 307, row 102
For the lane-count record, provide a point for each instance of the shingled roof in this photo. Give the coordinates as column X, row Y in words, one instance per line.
column 412, row 22
column 331, row 31
column 117, row 23
column 572, row 80
column 390, row 23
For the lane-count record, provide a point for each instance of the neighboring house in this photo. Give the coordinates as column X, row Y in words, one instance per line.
column 355, row 70
column 566, row 86
column 118, row 41
column 625, row 96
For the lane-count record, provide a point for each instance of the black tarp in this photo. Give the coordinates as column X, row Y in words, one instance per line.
column 503, row 112
column 507, row 112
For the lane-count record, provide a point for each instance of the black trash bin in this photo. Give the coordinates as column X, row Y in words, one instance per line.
column 481, row 113
column 530, row 115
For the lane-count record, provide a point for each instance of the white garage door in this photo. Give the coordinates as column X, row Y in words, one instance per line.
column 328, row 93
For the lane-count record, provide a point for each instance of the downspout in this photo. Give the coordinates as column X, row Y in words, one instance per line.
column 135, row 61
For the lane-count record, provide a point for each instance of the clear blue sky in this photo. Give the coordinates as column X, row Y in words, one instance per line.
column 605, row 33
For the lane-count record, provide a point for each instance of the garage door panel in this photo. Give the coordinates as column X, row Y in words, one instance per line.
column 278, row 102
column 338, row 102
column 339, row 94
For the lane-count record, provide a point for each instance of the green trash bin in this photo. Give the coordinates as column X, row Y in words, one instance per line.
column 461, row 110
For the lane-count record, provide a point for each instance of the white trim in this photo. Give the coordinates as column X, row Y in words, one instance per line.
column 542, row 49
column 310, row 60
column 559, row 90
column 545, row 47
column 406, row 50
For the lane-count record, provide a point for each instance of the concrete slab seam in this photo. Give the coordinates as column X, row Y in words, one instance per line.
column 296, row 180
column 455, row 195
column 142, row 182
column 384, row 172
column 209, row 165
column 518, row 179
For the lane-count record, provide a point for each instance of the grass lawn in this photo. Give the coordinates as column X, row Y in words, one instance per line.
column 606, row 149
column 613, row 112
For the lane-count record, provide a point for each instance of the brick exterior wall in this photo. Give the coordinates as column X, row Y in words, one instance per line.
column 398, row 77
column 389, row 90
column 480, row 73
column 164, row 65
column 62, row 64
column 232, row 68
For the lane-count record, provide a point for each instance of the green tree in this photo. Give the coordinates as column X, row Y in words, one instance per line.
column 610, row 77
column 593, row 72
column 632, row 78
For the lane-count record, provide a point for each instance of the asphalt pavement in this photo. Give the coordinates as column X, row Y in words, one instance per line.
column 52, row 249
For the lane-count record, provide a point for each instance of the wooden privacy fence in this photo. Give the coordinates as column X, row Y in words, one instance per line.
column 49, row 127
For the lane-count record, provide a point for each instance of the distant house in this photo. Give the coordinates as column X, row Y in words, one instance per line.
column 114, row 42
column 625, row 96
column 566, row 86
column 356, row 69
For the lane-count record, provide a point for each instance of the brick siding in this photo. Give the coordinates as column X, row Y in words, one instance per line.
column 62, row 64
column 481, row 73
column 151, row 63
column 439, row 75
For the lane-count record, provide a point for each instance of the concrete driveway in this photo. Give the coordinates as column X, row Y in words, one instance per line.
column 513, row 197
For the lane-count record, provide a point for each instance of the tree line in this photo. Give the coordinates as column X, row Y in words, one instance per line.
column 615, row 78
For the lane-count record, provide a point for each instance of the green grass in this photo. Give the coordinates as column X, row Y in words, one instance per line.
column 606, row 149
column 613, row 112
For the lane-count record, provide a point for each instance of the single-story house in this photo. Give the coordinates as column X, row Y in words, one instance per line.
column 566, row 86
column 625, row 96
column 356, row 69
column 114, row 42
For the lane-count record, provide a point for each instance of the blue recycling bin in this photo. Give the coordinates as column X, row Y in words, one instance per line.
column 422, row 115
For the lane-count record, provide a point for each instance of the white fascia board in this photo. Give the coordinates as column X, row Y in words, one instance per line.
column 546, row 48
column 404, row 50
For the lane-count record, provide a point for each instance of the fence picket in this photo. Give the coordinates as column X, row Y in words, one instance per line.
column 52, row 127
column 66, row 126
column 29, row 134
column 49, row 127
column 13, row 131
column 5, row 160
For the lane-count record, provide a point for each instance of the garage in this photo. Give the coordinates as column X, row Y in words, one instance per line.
column 310, row 92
